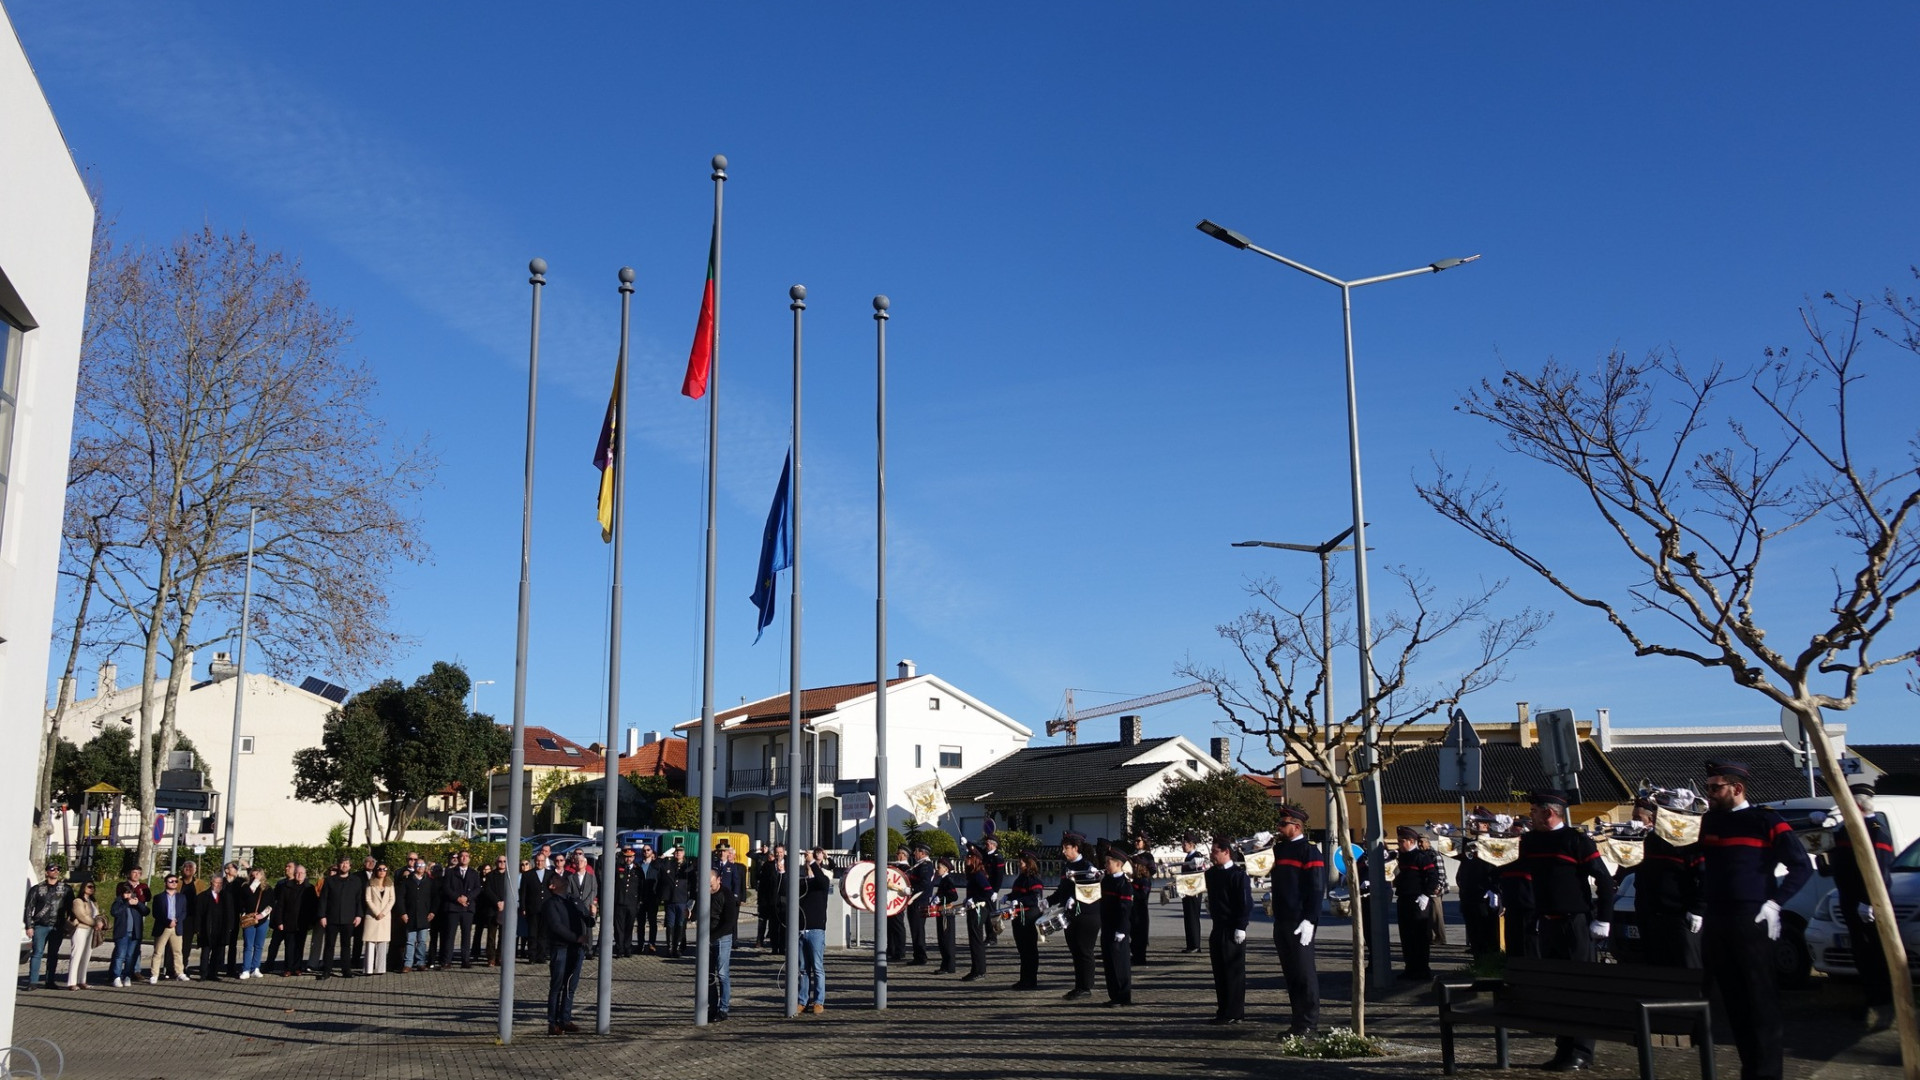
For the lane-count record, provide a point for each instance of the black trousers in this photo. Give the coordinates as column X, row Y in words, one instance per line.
column 1665, row 940
column 1520, row 935
column 1190, row 918
column 1869, row 959
column 295, row 940
column 1566, row 937
column 1083, row 937
column 454, row 922
column 943, row 929
column 897, row 938
column 1137, row 937
column 486, row 935
column 344, row 936
column 622, row 931
column 763, row 906
column 1300, row 968
column 216, row 956
column 1229, row 973
column 1739, row 959
column 1416, row 937
column 1027, row 940
column 976, row 941
column 1119, row 964
column 1481, row 924
column 648, row 931
column 916, row 919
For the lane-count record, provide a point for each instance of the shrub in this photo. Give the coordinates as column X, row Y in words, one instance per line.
column 1014, row 841
column 894, row 843
column 1336, row 1043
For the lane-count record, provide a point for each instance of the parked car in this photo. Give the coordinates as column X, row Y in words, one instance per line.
column 1833, row 947
column 492, row 827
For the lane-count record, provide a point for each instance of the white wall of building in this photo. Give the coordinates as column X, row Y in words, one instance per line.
column 46, row 229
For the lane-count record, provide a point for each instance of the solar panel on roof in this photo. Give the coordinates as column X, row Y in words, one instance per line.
column 548, row 744
column 325, row 689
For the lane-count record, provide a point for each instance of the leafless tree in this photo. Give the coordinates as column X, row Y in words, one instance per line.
column 211, row 383
column 1699, row 474
column 1280, row 698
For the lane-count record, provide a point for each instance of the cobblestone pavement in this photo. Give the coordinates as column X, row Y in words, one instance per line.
column 442, row 1025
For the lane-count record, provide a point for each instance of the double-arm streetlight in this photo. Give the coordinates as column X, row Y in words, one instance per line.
column 1369, row 725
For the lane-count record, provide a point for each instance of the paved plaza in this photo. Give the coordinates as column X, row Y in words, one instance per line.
column 442, row 1025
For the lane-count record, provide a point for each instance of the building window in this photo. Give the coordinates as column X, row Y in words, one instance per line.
column 246, row 744
column 949, row 757
column 916, row 755
column 547, row 744
column 933, row 704
column 739, row 819
column 1192, row 764
column 10, row 341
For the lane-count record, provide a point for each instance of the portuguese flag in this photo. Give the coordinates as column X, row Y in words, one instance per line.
column 700, row 360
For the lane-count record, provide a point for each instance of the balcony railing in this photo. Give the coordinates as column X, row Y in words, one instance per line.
column 747, row 781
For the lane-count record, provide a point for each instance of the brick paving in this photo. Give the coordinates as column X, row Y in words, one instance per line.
column 441, row 1025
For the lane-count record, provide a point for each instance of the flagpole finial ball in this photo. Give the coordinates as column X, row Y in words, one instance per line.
column 537, row 266
column 626, row 275
column 798, row 292
column 719, row 163
column 881, row 303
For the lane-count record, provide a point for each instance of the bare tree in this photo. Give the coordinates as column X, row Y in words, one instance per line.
column 1697, row 474
column 1280, row 699
column 212, row 383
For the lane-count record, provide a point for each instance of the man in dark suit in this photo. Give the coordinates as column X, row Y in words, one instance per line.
column 626, row 903
column 414, row 911
column 343, row 904
column 533, row 899
column 492, row 907
column 567, row 929
column 218, row 918
column 459, row 893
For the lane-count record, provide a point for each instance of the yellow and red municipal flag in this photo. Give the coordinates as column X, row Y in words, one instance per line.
column 603, row 458
column 700, row 359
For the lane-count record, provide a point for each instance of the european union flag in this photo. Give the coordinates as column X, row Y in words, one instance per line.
column 776, row 548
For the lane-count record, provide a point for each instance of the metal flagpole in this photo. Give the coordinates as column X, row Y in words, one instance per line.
column 703, row 958
column 517, row 755
column 610, row 817
column 240, row 695
column 882, row 805
column 795, row 833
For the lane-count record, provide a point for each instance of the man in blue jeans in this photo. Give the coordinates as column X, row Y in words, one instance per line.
column 723, row 922
column 45, row 907
column 567, row 927
column 816, row 885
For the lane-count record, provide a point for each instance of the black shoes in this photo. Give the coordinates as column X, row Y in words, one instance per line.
column 1567, row 1063
column 1076, row 994
column 1303, row 1032
column 971, row 976
column 1024, row 985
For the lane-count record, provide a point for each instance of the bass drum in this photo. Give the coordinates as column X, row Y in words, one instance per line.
column 857, row 888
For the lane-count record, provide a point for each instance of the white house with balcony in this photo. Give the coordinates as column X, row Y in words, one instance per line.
column 934, row 729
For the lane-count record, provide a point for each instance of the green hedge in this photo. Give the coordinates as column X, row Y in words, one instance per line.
column 938, row 843
column 317, row 858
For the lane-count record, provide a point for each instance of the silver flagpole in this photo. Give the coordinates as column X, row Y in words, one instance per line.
column 795, row 833
column 240, row 695
column 517, row 755
column 703, row 958
column 882, row 804
column 610, row 817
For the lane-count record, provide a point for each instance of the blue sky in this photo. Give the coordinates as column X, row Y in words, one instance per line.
column 1089, row 400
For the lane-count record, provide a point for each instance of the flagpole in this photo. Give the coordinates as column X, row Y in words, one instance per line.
column 610, row 816
column 517, row 755
column 796, row 834
column 703, row 959
column 882, row 803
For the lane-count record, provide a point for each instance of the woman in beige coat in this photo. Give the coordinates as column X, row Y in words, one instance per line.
column 87, row 925
column 377, row 930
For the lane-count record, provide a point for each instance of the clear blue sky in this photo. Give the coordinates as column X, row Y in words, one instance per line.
column 1090, row 400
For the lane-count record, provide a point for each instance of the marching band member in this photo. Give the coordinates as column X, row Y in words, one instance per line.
column 1851, row 903
column 1084, row 929
column 1230, row 902
column 996, row 866
column 1414, row 886
column 1299, row 880
column 979, row 914
column 920, row 875
column 1195, row 862
column 1669, row 901
column 1116, row 922
column 946, row 892
column 1476, row 879
column 897, row 923
column 1558, row 862
column 1030, row 893
column 1142, row 892
column 1744, row 844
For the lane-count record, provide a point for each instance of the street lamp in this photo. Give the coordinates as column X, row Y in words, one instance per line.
column 239, row 694
column 1369, row 724
column 473, row 706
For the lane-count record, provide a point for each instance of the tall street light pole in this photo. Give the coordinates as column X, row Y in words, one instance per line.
column 473, row 706
column 1370, row 724
column 239, row 694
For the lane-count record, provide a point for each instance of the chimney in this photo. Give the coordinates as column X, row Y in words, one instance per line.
column 66, row 694
column 222, row 668
column 651, row 738
column 633, row 741
column 1130, row 727
column 1525, row 725
column 907, row 670
column 1603, row 729
column 185, row 663
column 109, row 678
column 1222, row 750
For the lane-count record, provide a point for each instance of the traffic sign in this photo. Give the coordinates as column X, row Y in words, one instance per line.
column 856, row 805
column 1559, row 742
column 1460, row 756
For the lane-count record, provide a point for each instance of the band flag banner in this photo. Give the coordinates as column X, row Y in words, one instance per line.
column 700, row 358
column 603, row 459
column 776, row 549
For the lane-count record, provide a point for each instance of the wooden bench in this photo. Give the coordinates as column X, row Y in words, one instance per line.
column 1628, row 1003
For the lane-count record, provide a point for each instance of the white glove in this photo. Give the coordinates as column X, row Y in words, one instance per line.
column 1493, row 900
column 1239, row 937
column 1693, row 924
column 1770, row 914
column 1304, row 932
column 1421, row 902
column 1599, row 929
column 1119, row 938
column 1865, row 911
column 1832, row 820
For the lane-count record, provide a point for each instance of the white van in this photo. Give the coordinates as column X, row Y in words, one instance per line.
column 491, row 827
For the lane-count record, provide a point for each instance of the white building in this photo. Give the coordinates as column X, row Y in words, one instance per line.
column 46, row 230
column 278, row 720
column 933, row 729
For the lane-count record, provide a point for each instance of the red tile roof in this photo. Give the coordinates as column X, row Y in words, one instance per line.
column 666, row 758
column 814, row 702
column 582, row 758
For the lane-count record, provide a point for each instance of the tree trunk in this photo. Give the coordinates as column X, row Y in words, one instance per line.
column 149, row 782
column 1343, row 845
column 1885, row 922
column 50, row 745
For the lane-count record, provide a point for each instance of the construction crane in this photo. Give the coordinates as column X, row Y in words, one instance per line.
column 1069, row 720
